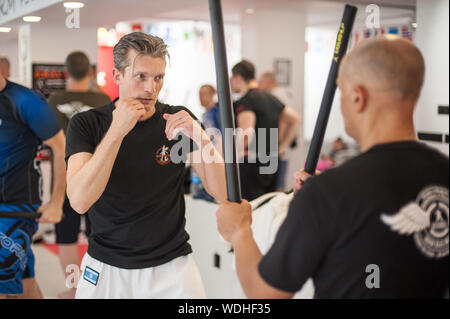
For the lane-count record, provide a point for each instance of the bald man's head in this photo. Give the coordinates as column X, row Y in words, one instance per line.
column 268, row 81
column 206, row 95
column 387, row 64
column 2, row 82
column 4, row 67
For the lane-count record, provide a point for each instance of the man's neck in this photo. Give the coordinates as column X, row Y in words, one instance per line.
column 77, row 86
column 387, row 131
column 148, row 114
column 245, row 89
column 368, row 144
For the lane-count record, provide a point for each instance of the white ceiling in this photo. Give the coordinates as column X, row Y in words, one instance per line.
column 107, row 13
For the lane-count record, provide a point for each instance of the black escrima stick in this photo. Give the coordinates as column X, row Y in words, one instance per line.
column 225, row 103
column 342, row 40
column 27, row 215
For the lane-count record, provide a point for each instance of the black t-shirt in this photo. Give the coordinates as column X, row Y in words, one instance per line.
column 67, row 104
column 267, row 109
column 139, row 221
column 382, row 213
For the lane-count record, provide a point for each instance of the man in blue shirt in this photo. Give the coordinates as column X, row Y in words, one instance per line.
column 26, row 122
column 211, row 116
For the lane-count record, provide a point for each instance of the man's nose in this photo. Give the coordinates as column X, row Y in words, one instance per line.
column 150, row 85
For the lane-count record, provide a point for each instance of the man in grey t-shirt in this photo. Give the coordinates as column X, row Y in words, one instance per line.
column 77, row 98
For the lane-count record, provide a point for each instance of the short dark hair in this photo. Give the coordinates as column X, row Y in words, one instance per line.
column 142, row 43
column 245, row 69
column 78, row 65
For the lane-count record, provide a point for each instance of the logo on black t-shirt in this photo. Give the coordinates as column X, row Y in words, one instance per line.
column 427, row 219
column 163, row 155
column 73, row 108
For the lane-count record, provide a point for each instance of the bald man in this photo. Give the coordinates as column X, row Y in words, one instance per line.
column 375, row 227
column 2, row 82
column 4, row 67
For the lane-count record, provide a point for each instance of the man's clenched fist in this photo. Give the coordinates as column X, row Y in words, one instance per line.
column 126, row 115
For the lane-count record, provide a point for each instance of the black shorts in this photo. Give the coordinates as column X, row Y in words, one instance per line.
column 68, row 229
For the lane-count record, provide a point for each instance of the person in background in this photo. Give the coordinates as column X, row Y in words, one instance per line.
column 210, row 118
column 338, row 146
column 329, row 161
column 268, row 82
column 26, row 123
column 211, row 123
column 5, row 67
column 259, row 112
column 75, row 99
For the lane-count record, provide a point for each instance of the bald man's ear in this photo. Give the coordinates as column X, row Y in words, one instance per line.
column 359, row 98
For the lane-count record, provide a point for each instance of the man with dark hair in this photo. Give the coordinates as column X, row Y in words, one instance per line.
column 258, row 114
column 245, row 69
column 123, row 170
column 75, row 99
column 26, row 122
column 376, row 226
column 78, row 66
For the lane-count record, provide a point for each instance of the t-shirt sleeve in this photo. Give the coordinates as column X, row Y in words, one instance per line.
column 301, row 243
column 243, row 105
column 79, row 135
column 277, row 103
column 38, row 115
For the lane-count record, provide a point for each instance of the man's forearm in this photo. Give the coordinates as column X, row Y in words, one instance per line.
column 59, row 177
column 248, row 258
column 211, row 168
column 89, row 183
column 290, row 132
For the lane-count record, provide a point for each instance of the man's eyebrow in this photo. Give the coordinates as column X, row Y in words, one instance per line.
column 147, row 73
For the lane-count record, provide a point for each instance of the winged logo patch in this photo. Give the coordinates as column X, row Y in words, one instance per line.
column 427, row 219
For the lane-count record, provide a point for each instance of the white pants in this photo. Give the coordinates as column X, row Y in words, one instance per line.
column 177, row 279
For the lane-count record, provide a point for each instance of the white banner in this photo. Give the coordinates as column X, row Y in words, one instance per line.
column 25, row 55
column 13, row 9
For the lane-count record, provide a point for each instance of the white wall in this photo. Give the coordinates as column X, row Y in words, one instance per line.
column 321, row 41
column 268, row 35
column 192, row 60
column 52, row 45
column 432, row 39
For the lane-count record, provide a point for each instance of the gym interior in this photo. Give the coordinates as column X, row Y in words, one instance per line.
column 293, row 40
